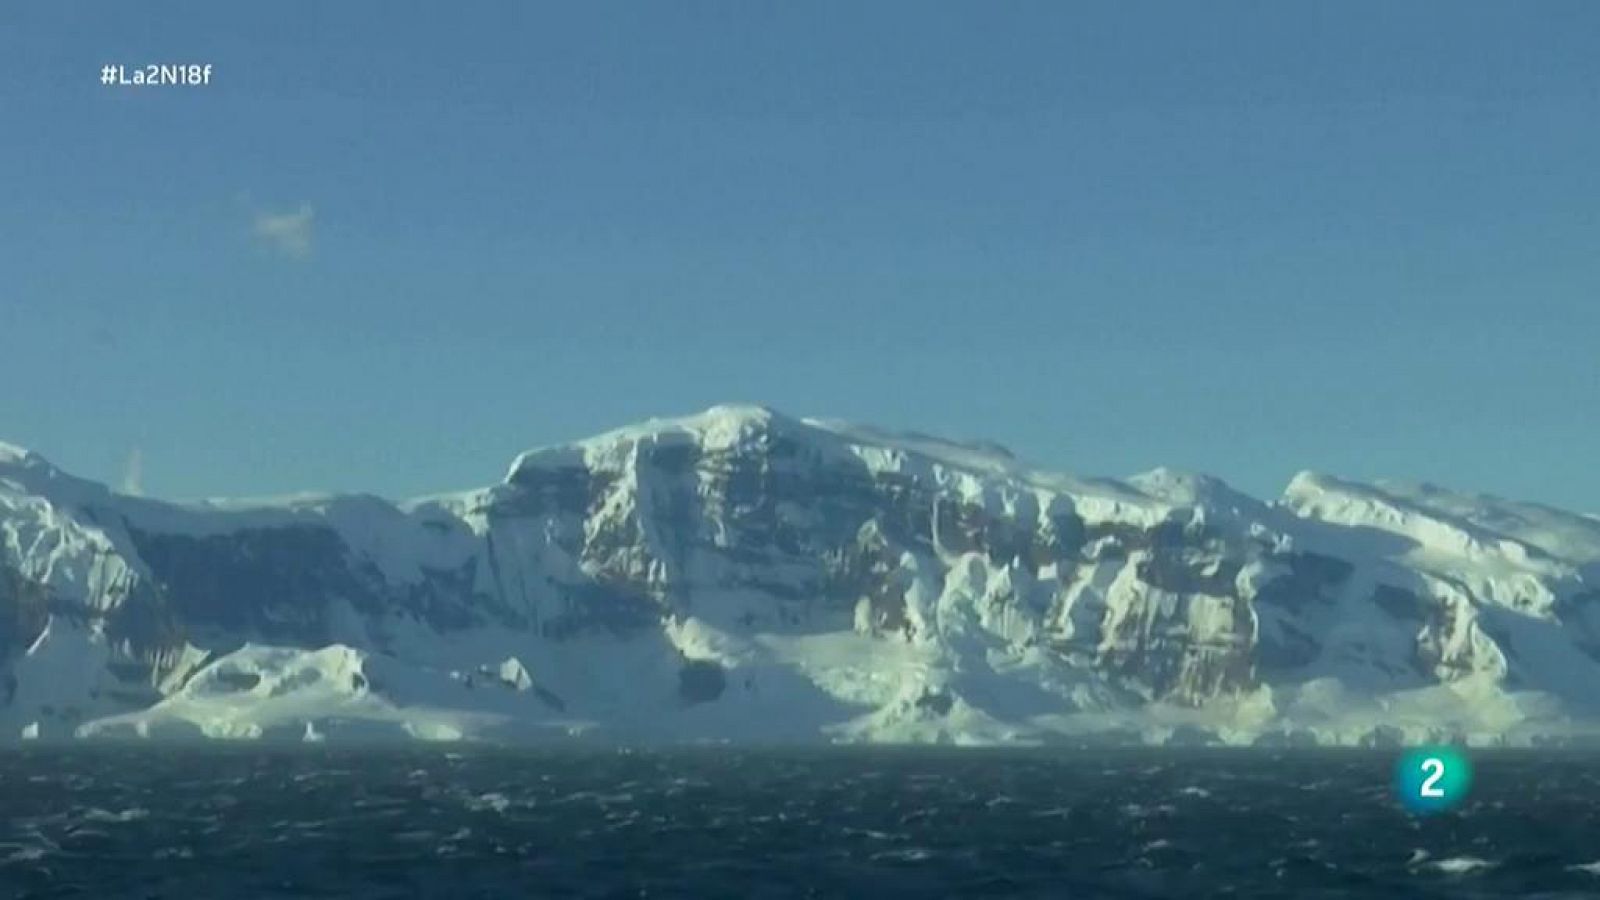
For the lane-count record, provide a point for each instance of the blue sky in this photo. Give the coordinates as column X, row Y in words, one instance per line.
column 390, row 246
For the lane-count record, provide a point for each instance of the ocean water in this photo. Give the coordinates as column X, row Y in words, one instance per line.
column 242, row 822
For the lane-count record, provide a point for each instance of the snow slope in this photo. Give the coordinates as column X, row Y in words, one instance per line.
column 743, row 575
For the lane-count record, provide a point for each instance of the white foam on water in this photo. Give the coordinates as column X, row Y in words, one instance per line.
column 1461, row 865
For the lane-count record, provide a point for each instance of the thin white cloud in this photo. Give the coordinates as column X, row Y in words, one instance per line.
column 288, row 233
column 133, row 474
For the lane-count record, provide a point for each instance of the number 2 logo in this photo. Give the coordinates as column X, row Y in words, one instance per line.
column 1434, row 767
column 1432, row 779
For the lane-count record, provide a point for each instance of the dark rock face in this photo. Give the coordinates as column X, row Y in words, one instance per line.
column 275, row 583
column 23, row 614
column 701, row 681
column 1400, row 603
column 936, row 702
column 24, row 610
column 281, row 584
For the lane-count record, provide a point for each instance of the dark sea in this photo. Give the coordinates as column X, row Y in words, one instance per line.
column 243, row 822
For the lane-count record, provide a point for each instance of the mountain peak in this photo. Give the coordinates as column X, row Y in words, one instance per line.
column 742, row 412
column 11, row 454
column 31, row 471
column 719, row 425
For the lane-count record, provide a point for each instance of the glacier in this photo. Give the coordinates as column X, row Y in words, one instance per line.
column 742, row 575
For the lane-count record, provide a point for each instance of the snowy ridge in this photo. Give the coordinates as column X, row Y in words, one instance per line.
column 740, row 574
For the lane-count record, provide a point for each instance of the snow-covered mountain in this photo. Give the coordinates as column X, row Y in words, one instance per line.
column 744, row 575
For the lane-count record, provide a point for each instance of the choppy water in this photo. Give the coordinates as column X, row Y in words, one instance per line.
column 289, row 822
